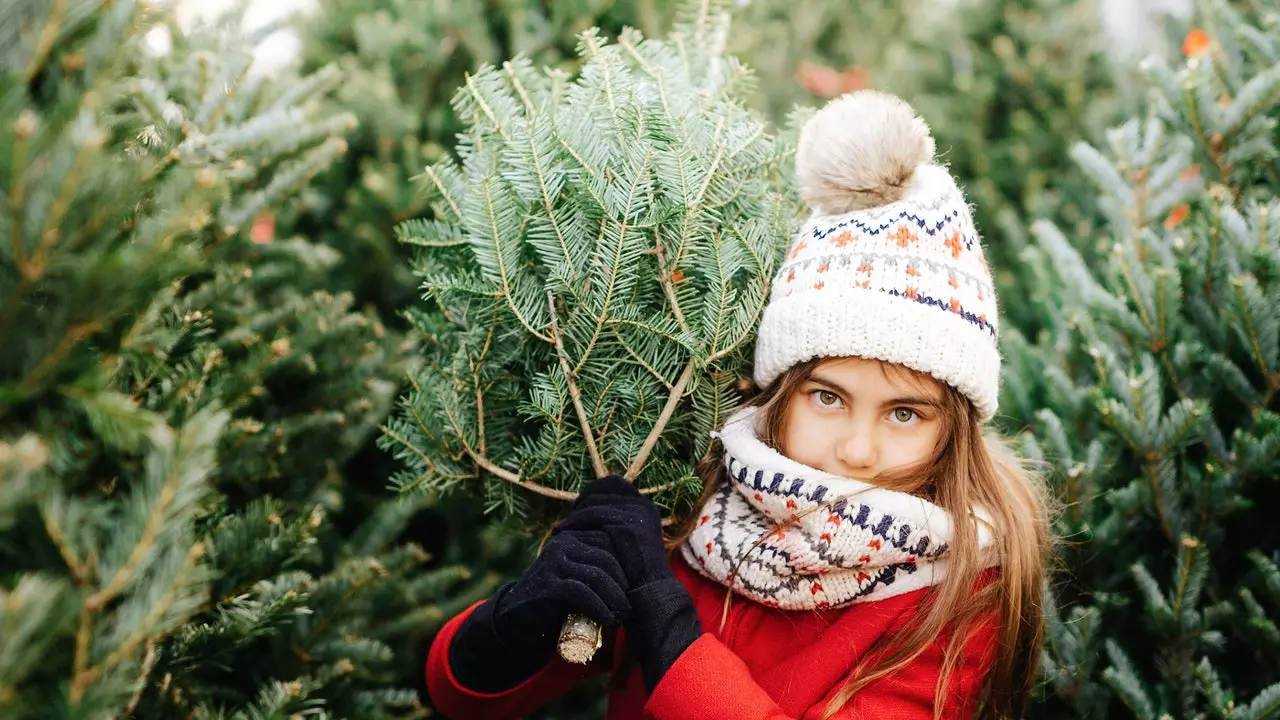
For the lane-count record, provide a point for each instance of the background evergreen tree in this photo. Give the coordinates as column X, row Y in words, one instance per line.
column 181, row 394
column 1007, row 87
column 1152, row 391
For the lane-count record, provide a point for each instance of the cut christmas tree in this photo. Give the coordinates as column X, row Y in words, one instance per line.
column 602, row 258
column 1153, row 390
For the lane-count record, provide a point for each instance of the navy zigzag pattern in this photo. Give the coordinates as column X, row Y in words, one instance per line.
column 946, row 306
column 930, row 229
column 841, row 508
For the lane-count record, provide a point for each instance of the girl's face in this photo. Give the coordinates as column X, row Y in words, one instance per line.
column 858, row 418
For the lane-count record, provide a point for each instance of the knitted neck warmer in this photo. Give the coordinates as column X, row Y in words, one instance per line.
column 853, row 542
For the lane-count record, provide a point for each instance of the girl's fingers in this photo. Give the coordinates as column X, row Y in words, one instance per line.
column 591, row 592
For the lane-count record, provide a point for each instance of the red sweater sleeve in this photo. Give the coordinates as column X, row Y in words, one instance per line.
column 709, row 682
column 455, row 701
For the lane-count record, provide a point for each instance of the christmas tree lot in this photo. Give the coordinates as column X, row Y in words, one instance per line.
column 185, row 529
column 1152, row 392
column 245, row 472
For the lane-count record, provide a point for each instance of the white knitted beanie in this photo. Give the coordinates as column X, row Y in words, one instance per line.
column 889, row 266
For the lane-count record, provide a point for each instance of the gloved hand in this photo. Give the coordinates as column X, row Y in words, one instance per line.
column 663, row 621
column 511, row 636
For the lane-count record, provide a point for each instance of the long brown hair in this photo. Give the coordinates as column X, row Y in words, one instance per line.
column 968, row 468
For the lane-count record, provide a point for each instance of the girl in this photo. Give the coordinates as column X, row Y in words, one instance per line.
column 862, row 548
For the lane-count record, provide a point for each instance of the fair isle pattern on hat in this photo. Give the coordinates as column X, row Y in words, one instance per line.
column 905, row 282
column 852, row 542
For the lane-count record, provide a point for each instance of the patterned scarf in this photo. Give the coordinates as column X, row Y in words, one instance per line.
column 853, row 542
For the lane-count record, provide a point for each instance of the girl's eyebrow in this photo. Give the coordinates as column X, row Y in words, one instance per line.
column 834, row 386
column 917, row 401
column 906, row 400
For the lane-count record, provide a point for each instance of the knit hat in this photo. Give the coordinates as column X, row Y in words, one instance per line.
column 889, row 266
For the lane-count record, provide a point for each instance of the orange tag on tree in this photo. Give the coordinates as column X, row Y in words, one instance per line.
column 1176, row 216
column 1196, row 43
column 264, row 228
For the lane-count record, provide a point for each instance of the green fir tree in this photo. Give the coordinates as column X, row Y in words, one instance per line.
column 1152, row 391
column 601, row 258
column 186, row 529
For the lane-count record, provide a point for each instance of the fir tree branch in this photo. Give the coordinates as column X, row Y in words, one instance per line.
column 543, row 187
column 88, row 231
column 430, row 465
column 590, row 41
column 1158, row 328
column 558, row 421
column 79, row 570
column 31, row 270
column 484, row 107
column 484, row 461
column 1212, row 143
column 444, row 192
column 1135, row 292
column 130, row 645
column 227, row 91
column 48, row 37
column 763, row 275
column 624, row 41
column 1213, row 249
column 664, row 278
column 502, row 267
column 1151, row 467
column 84, row 631
column 72, row 337
column 475, row 381
column 1188, row 548
column 714, row 335
column 582, row 162
column 615, row 268
column 696, row 203
column 721, row 147
column 373, row 567
column 1255, row 346
column 673, row 399
column 34, row 268
column 597, row 464
column 148, row 664
column 514, row 79
column 641, row 361
column 155, row 523
column 608, row 420
column 22, row 132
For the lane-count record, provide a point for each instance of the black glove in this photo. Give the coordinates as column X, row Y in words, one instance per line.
column 511, row 636
column 663, row 620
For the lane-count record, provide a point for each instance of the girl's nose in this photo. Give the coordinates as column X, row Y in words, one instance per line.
column 857, row 450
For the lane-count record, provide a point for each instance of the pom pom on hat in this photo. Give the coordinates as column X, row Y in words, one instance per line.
column 861, row 151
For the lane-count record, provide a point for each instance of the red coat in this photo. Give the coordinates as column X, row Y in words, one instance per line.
column 767, row 664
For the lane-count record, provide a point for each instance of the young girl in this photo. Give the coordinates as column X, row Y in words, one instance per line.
column 863, row 547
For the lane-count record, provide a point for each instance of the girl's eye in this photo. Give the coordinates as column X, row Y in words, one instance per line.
column 827, row 398
column 904, row 415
